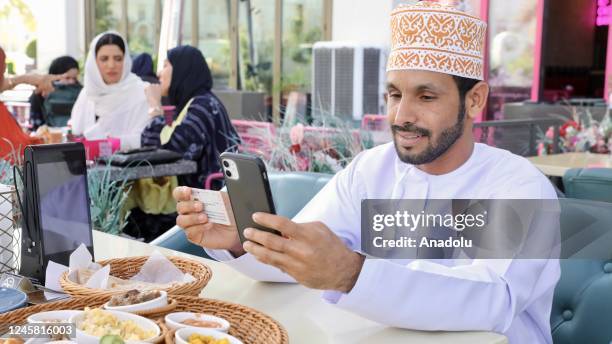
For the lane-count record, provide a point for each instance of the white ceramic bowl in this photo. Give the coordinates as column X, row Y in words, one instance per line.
column 158, row 302
column 46, row 341
column 60, row 316
column 181, row 336
column 144, row 323
column 174, row 321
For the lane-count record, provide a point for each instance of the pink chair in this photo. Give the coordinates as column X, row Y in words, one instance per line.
column 256, row 136
column 318, row 138
column 21, row 112
column 378, row 127
column 254, row 127
column 212, row 177
column 256, row 144
column 374, row 122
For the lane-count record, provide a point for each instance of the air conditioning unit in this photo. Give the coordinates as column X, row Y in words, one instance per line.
column 348, row 80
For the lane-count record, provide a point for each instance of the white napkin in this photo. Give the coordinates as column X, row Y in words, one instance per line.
column 99, row 279
column 157, row 269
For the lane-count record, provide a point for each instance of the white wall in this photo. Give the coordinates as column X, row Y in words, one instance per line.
column 364, row 21
column 60, row 30
column 367, row 21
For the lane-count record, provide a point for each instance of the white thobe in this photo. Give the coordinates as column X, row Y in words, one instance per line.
column 513, row 297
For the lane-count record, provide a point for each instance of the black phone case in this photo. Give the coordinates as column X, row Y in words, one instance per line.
column 250, row 193
column 32, row 261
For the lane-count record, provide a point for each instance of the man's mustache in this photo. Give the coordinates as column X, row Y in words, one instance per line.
column 410, row 128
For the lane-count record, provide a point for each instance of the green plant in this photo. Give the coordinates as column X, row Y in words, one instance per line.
column 10, row 67
column 31, row 49
column 257, row 77
column 6, row 173
column 105, row 19
column 6, row 7
column 108, row 197
column 327, row 149
column 297, row 52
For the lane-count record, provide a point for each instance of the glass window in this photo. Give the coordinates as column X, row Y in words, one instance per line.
column 256, row 44
column 108, row 16
column 512, row 36
column 142, row 25
column 213, row 38
column 212, row 35
column 302, row 23
column 186, row 24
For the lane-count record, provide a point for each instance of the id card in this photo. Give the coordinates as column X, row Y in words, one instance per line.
column 214, row 207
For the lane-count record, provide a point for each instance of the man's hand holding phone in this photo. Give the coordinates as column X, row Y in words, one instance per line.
column 310, row 252
column 198, row 227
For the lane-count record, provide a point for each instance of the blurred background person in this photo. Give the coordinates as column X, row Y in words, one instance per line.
column 202, row 130
column 113, row 102
column 143, row 67
column 55, row 108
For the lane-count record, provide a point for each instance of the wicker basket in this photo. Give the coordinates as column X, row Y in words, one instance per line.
column 127, row 267
column 246, row 324
column 159, row 312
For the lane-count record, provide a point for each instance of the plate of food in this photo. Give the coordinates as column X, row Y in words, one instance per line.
column 62, row 316
column 46, row 341
column 190, row 335
column 11, row 299
column 93, row 324
column 178, row 320
column 137, row 301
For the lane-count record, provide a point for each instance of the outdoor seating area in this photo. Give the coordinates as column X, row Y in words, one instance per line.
column 305, row 171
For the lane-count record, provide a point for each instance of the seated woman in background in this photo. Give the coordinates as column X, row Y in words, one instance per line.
column 54, row 109
column 203, row 129
column 143, row 67
column 113, row 102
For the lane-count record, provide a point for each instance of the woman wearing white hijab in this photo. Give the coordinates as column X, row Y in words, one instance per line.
column 113, row 102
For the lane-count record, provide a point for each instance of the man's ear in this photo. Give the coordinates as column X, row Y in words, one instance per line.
column 476, row 99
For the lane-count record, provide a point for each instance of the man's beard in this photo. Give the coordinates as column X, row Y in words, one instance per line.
column 435, row 149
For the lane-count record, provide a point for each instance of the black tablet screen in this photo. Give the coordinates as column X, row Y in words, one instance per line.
column 64, row 206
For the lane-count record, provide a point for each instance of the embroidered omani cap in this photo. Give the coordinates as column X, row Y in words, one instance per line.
column 438, row 37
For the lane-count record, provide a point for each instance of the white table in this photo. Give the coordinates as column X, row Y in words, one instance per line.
column 555, row 165
column 307, row 318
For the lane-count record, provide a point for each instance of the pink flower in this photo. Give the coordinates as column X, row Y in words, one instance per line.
column 573, row 140
column 550, row 133
column 569, row 125
column 296, row 134
column 541, row 148
column 302, row 163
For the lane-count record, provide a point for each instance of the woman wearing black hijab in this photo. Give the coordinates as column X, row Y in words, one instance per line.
column 202, row 129
column 69, row 84
column 142, row 65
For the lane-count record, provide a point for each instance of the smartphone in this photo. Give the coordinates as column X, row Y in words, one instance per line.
column 56, row 214
column 247, row 184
